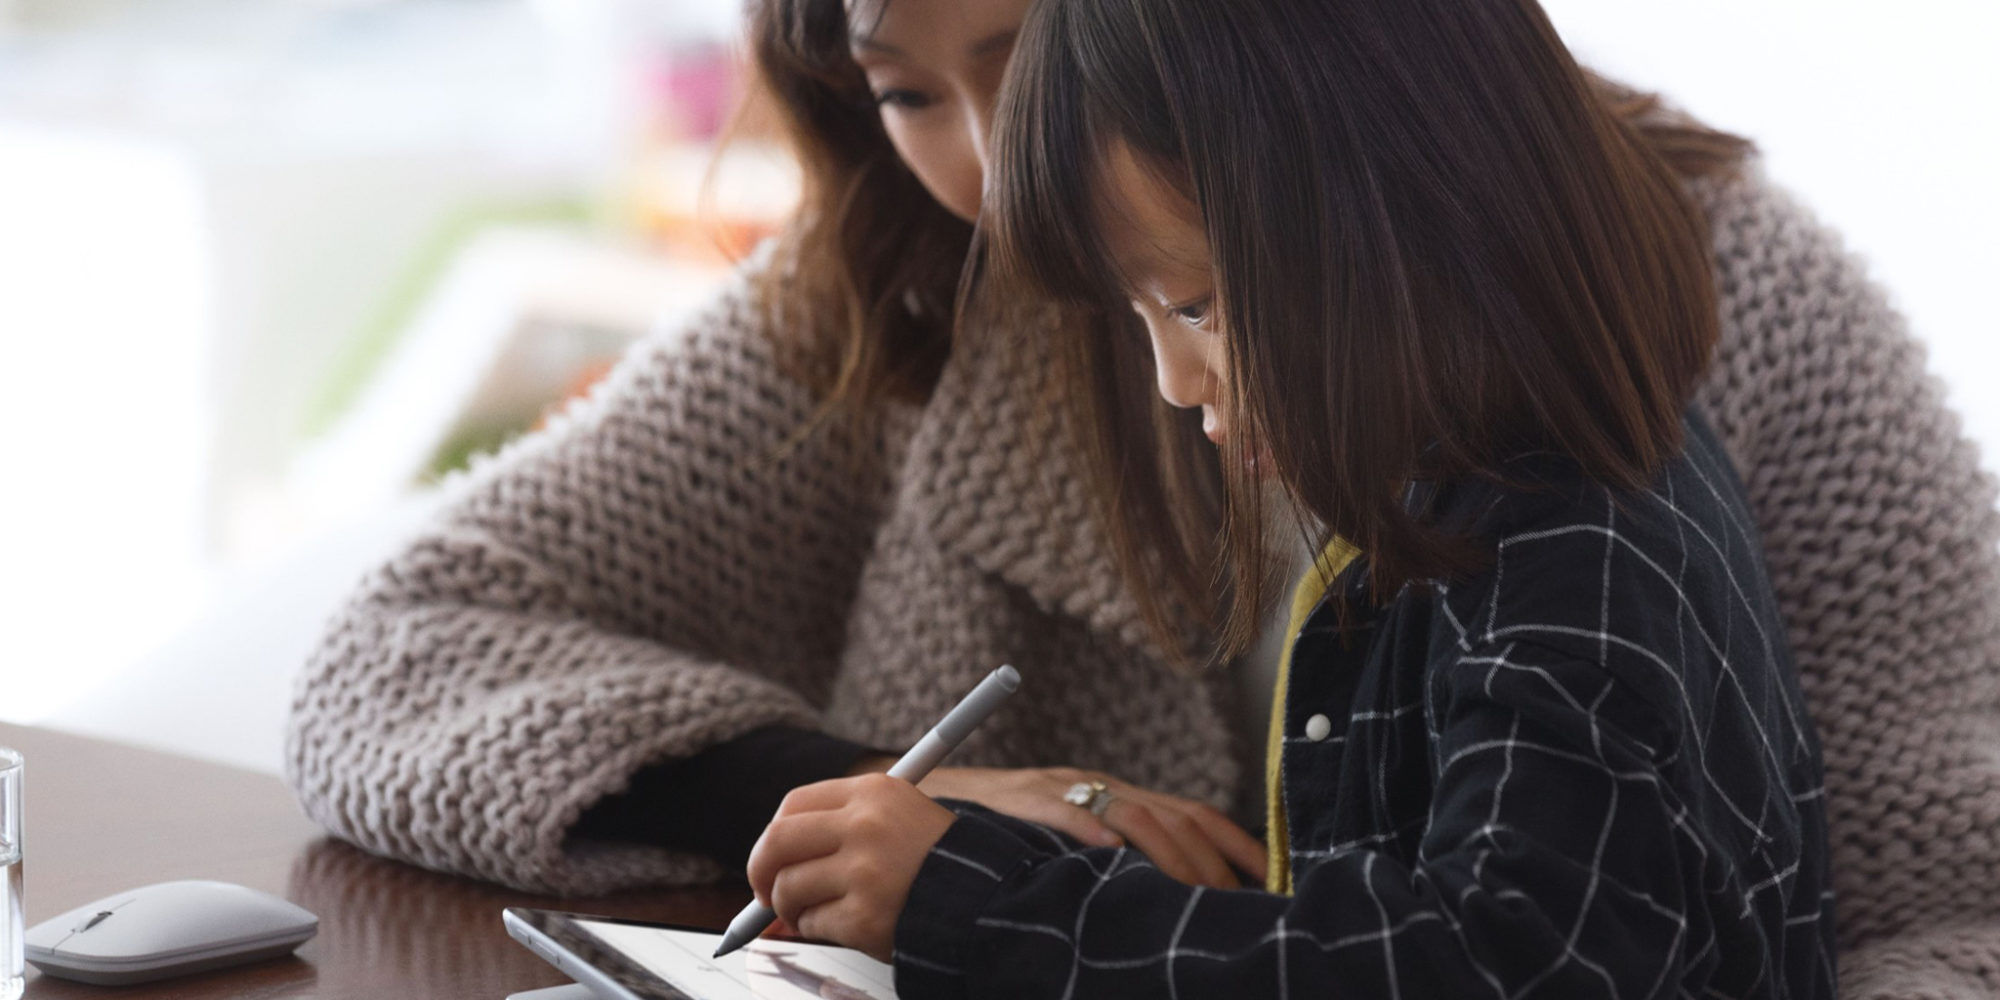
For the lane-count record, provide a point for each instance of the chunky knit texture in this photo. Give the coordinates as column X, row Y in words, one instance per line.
column 1880, row 533
column 671, row 566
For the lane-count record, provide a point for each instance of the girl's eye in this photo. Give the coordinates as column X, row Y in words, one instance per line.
column 908, row 100
column 1193, row 314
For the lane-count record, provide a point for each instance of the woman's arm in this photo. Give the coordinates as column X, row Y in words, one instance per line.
column 739, row 785
column 666, row 568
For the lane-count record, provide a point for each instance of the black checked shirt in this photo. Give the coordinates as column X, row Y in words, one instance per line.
column 1585, row 772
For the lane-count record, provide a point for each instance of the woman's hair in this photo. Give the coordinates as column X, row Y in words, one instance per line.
column 870, row 262
column 1437, row 243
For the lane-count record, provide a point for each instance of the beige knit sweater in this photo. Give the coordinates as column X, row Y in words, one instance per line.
column 657, row 572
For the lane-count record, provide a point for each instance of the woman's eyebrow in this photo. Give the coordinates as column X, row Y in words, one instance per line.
column 860, row 43
column 996, row 42
column 992, row 43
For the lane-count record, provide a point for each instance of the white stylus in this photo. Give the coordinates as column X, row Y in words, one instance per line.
column 942, row 739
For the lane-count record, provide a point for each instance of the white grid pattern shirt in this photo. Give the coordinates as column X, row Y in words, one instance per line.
column 1585, row 772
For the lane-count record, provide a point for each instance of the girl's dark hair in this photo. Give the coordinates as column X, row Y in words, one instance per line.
column 869, row 265
column 1437, row 243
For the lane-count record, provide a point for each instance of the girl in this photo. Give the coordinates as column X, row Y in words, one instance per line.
column 1542, row 735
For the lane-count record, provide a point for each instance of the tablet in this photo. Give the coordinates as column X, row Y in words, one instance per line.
column 635, row 960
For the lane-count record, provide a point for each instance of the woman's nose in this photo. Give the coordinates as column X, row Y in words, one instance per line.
column 980, row 122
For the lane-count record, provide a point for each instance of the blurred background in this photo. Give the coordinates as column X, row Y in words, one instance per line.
column 270, row 268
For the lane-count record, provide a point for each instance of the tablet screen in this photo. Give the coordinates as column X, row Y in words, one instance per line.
column 659, row 962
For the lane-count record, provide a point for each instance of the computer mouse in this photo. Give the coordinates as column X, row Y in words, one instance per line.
column 167, row 929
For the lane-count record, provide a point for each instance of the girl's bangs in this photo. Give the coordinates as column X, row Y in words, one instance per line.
column 1041, row 220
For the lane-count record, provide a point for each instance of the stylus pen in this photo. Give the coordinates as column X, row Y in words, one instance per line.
column 942, row 739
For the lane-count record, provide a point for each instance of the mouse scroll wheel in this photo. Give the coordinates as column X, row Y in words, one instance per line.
column 93, row 921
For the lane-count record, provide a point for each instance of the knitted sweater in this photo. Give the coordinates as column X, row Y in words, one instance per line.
column 668, row 567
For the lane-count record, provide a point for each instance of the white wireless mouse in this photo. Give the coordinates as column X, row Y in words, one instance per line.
column 169, row 929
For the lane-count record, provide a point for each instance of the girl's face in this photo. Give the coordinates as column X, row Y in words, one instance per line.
column 935, row 67
column 1157, row 243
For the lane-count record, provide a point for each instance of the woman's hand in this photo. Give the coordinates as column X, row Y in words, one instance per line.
column 1191, row 841
column 837, row 862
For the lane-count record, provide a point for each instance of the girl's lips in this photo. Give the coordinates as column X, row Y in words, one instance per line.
column 1257, row 466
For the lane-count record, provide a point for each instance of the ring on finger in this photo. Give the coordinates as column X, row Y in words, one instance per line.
column 1092, row 795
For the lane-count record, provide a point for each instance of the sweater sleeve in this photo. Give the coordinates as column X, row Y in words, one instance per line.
column 739, row 784
column 1552, row 866
column 666, row 567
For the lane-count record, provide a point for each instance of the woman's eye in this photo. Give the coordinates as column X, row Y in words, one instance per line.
column 896, row 97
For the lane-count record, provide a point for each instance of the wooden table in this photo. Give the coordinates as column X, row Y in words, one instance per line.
column 102, row 817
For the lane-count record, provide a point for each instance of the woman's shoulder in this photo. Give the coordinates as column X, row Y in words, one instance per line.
column 740, row 314
column 717, row 376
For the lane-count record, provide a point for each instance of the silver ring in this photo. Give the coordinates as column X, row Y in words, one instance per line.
column 1092, row 795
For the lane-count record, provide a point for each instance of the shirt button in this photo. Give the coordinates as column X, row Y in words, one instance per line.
column 1318, row 727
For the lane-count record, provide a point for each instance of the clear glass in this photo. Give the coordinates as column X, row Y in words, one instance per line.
column 12, row 968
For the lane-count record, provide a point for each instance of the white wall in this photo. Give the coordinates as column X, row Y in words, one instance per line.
column 1884, row 117
column 201, row 203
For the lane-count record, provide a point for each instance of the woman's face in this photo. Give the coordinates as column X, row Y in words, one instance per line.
column 935, row 67
column 1157, row 243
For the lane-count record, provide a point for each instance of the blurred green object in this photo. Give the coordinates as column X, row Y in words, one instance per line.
column 362, row 356
column 456, row 454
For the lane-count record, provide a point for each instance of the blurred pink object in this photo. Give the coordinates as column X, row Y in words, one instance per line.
column 695, row 86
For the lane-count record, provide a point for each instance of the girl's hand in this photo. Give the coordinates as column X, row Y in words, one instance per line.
column 838, row 860
column 1191, row 841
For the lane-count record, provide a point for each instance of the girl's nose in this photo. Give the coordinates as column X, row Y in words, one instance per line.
column 1183, row 374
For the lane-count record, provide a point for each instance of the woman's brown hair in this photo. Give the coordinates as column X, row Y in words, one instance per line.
column 869, row 265
column 1437, row 243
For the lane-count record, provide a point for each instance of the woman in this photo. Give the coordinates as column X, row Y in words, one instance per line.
column 607, row 603
column 1543, row 734
column 811, row 515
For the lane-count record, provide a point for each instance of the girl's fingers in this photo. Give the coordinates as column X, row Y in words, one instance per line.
column 789, row 841
column 844, row 920
column 801, row 887
column 816, row 797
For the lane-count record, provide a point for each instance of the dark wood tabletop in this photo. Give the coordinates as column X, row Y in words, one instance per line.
column 102, row 817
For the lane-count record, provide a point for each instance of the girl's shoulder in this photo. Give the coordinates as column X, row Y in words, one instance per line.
column 1545, row 494
column 1583, row 567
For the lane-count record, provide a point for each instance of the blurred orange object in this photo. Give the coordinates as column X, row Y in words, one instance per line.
column 579, row 386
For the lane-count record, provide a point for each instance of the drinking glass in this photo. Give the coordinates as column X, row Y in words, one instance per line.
column 12, row 968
